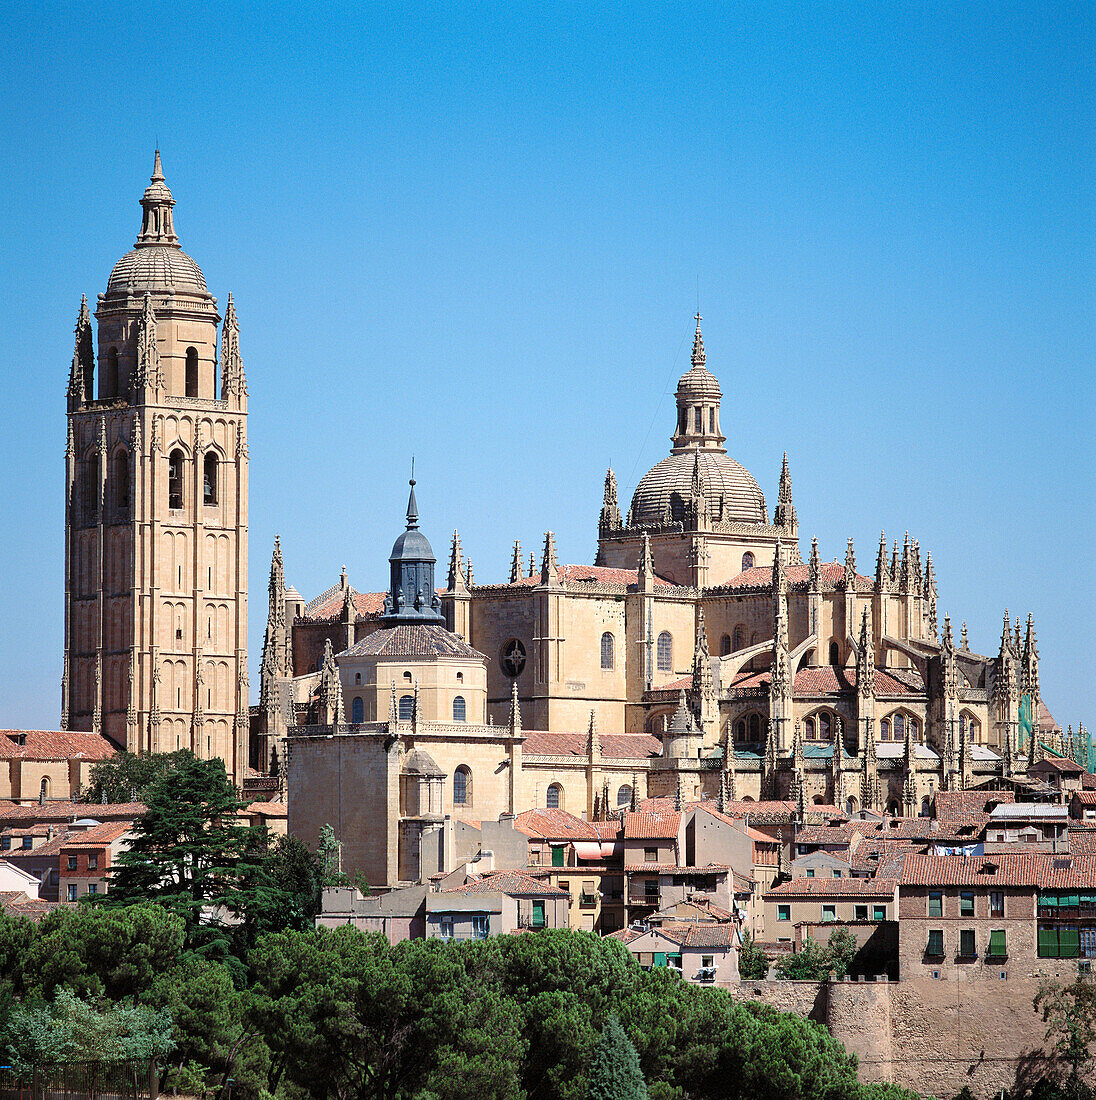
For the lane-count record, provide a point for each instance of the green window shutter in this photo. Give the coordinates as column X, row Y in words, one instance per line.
column 936, row 943
column 1048, row 901
column 659, row 959
column 557, row 855
column 1069, row 901
column 997, row 947
column 1048, row 942
column 936, row 905
column 966, row 943
column 880, row 912
column 1069, row 942
column 538, row 914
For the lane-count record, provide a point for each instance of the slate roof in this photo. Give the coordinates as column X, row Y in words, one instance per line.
column 414, row 640
column 54, row 745
column 618, row 746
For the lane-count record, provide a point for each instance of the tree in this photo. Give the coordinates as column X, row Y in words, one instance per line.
column 841, row 948
column 127, row 777
column 1070, row 1015
column 72, row 1030
column 615, row 1072
column 811, row 963
column 753, row 963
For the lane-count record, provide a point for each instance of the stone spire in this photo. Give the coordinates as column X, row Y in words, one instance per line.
column 699, row 357
column 784, row 515
column 330, row 694
column 849, row 579
column 456, row 581
column 882, row 570
column 82, row 376
column 837, row 763
column 1029, row 672
column 593, row 738
column 275, row 644
column 814, row 569
column 532, row 563
column 780, row 680
column 549, row 567
column 870, row 775
column 702, row 690
column 516, row 563
column 514, row 718
column 929, row 592
column 698, row 493
column 865, row 659
column 233, row 383
column 904, row 577
column 768, row 773
column 951, row 668
column 645, row 576
column 894, row 566
column 1006, row 682
column 148, row 350
column 610, row 509
column 411, row 598
column 917, row 577
column 157, row 226
column 964, row 641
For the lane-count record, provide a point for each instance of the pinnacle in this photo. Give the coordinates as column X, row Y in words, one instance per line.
column 157, row 169
column 699, row 356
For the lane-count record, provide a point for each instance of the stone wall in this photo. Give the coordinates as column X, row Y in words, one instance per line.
column 933, row 1037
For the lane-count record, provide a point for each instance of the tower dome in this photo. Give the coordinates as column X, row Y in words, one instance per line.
column 156, row 262
column 698, row 464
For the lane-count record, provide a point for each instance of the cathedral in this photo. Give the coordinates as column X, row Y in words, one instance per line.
column 700, row 657
column 156, row 508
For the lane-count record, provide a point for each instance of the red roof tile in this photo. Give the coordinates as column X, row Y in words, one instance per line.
column 828, row 680
column 998, row 870
column 950, row 805
column 15, row 903
column 554, row 825
column 67, row 812
column 830, row 573
column 690, row 934
column 834, row 887
column 645, row 826
column 54, row 745
column 575, row 574
column 514, row 883
column 617, row 746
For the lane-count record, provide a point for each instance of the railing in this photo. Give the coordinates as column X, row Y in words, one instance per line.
column 78, row 1081
column 587, row 899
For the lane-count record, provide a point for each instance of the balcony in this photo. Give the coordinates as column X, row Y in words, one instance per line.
column 587, row 899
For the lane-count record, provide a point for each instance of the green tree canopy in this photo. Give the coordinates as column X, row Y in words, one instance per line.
column 753, row 963
column 128, row 777
column 614, row 1071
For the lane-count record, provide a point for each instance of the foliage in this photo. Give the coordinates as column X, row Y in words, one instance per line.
column 614, row 1070
column 1070, row 1015
column 127, row 777
column 815, row 963
column 753, row 963
column 357, row 880
column 69, row 1029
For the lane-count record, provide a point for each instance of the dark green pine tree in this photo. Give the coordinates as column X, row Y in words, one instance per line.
column 191, row 852
column 614, row 1070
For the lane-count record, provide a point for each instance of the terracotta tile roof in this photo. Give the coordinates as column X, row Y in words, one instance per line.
column 576, row 574
column 625, row 935
column 329, row 604
column 648, row 826
column 15, row 903
column 1060, row 765
column 514, row 883
column 1086, row 798
column 616, row 746
column 834, row 888
column 555, row 825
column 829, row 680
column 952, row 805
column 876, row 855
column 67, row 812
column 989, row 871
column 830, row 573
column 268, row 809
column 1082, row 842
column 54, row 745
column 418, row 640
column 759, row 813
column 688, row 934
column 97, row 835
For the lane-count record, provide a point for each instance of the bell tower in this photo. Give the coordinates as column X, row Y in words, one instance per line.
column 156, row 508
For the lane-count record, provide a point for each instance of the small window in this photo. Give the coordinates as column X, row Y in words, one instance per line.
column 624, row 796
column 836, row 873
column 28, row 842
column 711, row 420
column 93, row 862
column 739, row 638
column 481, row 927
column 554, row 798
column 808, row 729
column 823, row 727
column 725, row 645
column 996, row 903
column 997, row 948
column 357, row 710
column 93, row 887
column 747, row 561
column 407, row 677
column 446, row 926
column 835, row 654
column 91, row 490
column 607, row 650
column 462, row 786
column 43, row 790
column 699, row 420
column 829, row 912
column 899, row 727
column 513, row 658
column 72, row 891
column 966, row 944
column 936, row 904
column 878, row 912
column 935, row 946
column 406, row 708
column 209, row 479
column 665, row 652
column 357, row 677
column 650, row 855
column 121, row 481
column 191, row 372
column 783, row 912
column 810, row 872
column 71, row 863
column 966, row 903
column 861, row 912
column 175, row 480
column 884, row 730
column 460, row 711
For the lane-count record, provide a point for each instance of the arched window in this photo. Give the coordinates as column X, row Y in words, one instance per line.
column 926, row 803
column 835, row 654
column 554, row 798
column 808, row 729
column 624, row 796
column 43, row 791
column 969, row 728
column 851, row 805
column 724, row 645
column 899, row 727
column 665, row 652
column 755, row 727
column 607, row 650
column 175, row 480
column 740, row 730
column 209, row 479
column 462, row 786
column 407, row 707
column 460, row 711
column 747, row 561
column 739, row 638
column 91, row 490
column 460, row 677
column 913, row 728
column 894, row 808
column 120, row 478
column 824, row 727
column 884, row 730
column 108, row 381
column 357, row 710
column 191, row 372
column 407, row 677
column 357, row 677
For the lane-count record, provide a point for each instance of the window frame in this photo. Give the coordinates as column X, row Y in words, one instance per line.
column 966, row 903
column 968, row 944
column 608, row 651
column 934, row 949
column 936, row 903
column 664, row 652
column 784, row 912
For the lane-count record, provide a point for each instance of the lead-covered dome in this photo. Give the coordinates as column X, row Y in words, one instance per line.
column 664, row 491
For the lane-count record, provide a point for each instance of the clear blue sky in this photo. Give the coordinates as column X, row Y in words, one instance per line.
column 475, row 233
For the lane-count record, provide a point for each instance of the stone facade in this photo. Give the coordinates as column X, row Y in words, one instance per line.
column 156, row 508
